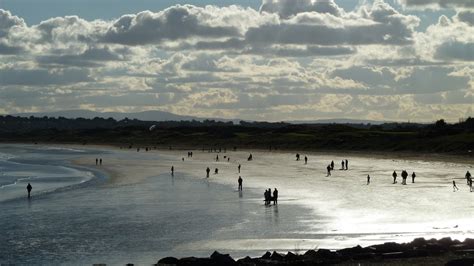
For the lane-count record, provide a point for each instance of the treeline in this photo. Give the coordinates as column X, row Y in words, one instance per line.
column 437, row 137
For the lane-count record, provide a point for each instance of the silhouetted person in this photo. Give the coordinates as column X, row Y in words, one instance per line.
column 342, row 164
column 182, row 159
column 468, row 176
column 208, row 171
column 250, row 158
column 275, row 196
column 216, row 171
column 454, row 186
column 267, row 196
column 347, row 165
column 29, row 188
column 297, row 156
column 413, row 177
column 329, row 170
column 368, row 179
column 217, row 158
column 394, row 177
column 228, row 159
column 238, row 167
column 305, row 160
column 96, row 161
column 332, row 165
column 404, row 177
column 100, row 161
column 172, row 170
column 240, row 183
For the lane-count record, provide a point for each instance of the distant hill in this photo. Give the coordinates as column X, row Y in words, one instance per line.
column 167, row 116
column 143, row 116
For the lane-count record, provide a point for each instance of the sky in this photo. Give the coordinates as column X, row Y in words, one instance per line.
column 273, row 60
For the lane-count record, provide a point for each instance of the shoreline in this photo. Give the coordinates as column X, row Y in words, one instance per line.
column 420, row 251
column 408, row 155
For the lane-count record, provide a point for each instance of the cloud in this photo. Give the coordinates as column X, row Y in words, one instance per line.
column 91, row 57
column 174, row 23
column 466, row 16
column 6, row 49
column 381, row 24
column 8, row 21
column 288, row 8
column 437, row 3
column 41, row 77
column 456, row 51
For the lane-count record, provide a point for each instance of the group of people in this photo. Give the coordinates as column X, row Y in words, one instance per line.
column 305, row 158
column 98, row 161
column 269, row 198
column 404, row 175
column 344, row 166
column 468, row 181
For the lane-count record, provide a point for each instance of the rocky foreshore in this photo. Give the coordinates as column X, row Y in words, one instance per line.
column 420, row 251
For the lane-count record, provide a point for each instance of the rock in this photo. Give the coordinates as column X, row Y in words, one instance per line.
column 193, row 261
column 168, row 261
column 393, row 255
column 276, row 257
column 388, row 247
column 267, row 255
column 310, row 254
column 436, row 248
column 326, row 254
column 247, row 261
column 464, row 252
column 350, row 252
column 469, row 242
column 445, row 242
column 418, row 242
column 461, row 262
column 291, row 256
column 222, row 259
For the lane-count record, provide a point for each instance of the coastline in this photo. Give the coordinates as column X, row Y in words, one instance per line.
column 420, row 251
column 129, row 170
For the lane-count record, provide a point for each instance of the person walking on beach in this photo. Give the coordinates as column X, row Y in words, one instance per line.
column 238, row 168
column 96, row 161
column 468, row 176
column 275, row 196
column 413, row 177
column 297, row 156
column 404, row 177
column 368, row 180
column 305, row 160
column 217, row 158
column 332, row 165
column 394, row 177
column 240, row 183
column 329, row 170
column 172, row 170
column 208, row 170
column 29, row 188
column 347, row 164
column 100, row 161
column 342, row 164
column 216, row 171
column 454, row 186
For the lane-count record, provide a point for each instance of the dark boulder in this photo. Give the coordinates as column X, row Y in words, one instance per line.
column 388, row 247
column 291, row 256
column 267, row 255
column 168, row 261
column 222, row 259
column 276, row 256
column 193, row 261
